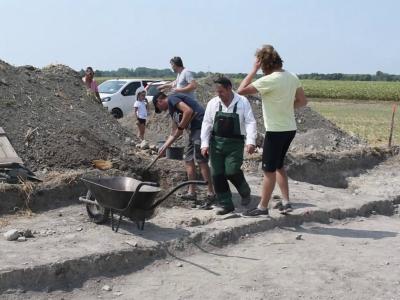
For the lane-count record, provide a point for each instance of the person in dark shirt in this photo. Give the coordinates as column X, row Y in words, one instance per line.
column 186, row 113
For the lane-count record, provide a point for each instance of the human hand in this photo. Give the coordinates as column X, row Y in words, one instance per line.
column 204, row 151
column 161, row 151
column 257, row 64
column 250, row 149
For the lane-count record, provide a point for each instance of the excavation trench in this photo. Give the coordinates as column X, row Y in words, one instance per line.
column 57, row 190
column 334, row 169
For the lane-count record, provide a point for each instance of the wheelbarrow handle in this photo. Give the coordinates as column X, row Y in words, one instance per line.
column 146, row 183
column 158, row 202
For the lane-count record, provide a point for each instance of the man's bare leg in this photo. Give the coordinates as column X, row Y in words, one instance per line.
column 205, row 172
column 191, row 174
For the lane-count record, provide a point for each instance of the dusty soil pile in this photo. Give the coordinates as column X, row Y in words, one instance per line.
column 51, row 120
column 158, row 126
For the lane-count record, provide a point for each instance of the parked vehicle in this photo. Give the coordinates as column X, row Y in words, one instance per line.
column 152, row 89
column 119, row 95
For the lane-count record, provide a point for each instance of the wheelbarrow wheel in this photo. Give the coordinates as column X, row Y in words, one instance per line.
column 98, row 214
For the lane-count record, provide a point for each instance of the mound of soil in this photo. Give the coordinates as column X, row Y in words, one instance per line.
column 51, row 120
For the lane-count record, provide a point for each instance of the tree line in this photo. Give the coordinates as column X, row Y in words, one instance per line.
column 168, row 73
column 378, row 76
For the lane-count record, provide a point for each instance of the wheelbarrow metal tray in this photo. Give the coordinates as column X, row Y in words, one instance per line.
column 116, row 192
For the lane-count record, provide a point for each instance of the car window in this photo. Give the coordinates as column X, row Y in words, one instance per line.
column 152, row 90
column 146, row 82
column 111, row 86
column 130, row 89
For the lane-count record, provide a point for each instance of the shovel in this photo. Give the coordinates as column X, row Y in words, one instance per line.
column 152, row 162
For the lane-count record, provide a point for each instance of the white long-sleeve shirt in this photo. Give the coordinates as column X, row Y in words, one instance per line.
column 248, row 126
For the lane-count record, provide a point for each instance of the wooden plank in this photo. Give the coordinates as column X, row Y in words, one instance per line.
column 7, row 152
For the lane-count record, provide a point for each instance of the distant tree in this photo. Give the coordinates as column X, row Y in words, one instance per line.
column 167, row 73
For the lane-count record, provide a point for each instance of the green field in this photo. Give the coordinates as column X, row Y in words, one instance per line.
column 369, row 120
column 350, row 90
column 337, row 89
column 360, row 90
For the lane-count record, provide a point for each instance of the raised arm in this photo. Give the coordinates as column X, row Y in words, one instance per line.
column 245, row 87
column 192, row 84
column 167, row 86
column 190, row 87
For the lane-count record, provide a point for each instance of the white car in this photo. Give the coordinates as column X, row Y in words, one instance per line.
column 119, row 95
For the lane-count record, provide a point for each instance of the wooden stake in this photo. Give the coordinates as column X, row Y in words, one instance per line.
column 392, row 125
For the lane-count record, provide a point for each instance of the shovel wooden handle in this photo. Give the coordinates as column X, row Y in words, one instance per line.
column 152, row 163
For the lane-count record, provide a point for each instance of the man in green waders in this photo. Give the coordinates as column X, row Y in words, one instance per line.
column 228, row 125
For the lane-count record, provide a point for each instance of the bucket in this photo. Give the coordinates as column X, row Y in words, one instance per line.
column 175, row 153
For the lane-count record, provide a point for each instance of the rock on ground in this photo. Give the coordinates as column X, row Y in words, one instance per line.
column 11, row 235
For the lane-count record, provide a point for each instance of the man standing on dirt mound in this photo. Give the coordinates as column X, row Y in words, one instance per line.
column 281, row 93
column 228, row 125
column 186, row 113
column 184, row 83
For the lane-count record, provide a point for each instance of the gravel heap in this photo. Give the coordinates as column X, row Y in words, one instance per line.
column 51, row 120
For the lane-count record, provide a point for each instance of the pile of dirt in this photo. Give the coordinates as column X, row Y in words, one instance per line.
column 158, row 126
column 52, row 122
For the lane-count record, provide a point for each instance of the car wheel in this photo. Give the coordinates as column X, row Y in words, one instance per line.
column 97, row 214
column 117, row 113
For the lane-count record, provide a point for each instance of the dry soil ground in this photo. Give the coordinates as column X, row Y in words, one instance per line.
column 348, row 259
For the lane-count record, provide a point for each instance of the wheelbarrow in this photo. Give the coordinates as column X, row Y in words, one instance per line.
column 124, row 196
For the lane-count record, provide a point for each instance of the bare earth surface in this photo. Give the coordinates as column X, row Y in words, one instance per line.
column 348, row 259
column 57, row 230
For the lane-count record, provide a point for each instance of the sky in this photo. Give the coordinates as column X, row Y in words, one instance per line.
column 337, row 36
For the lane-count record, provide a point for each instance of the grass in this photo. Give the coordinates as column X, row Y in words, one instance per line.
column 335, row 89
column 350, row 90
column 360, row 90
column 369, row 120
